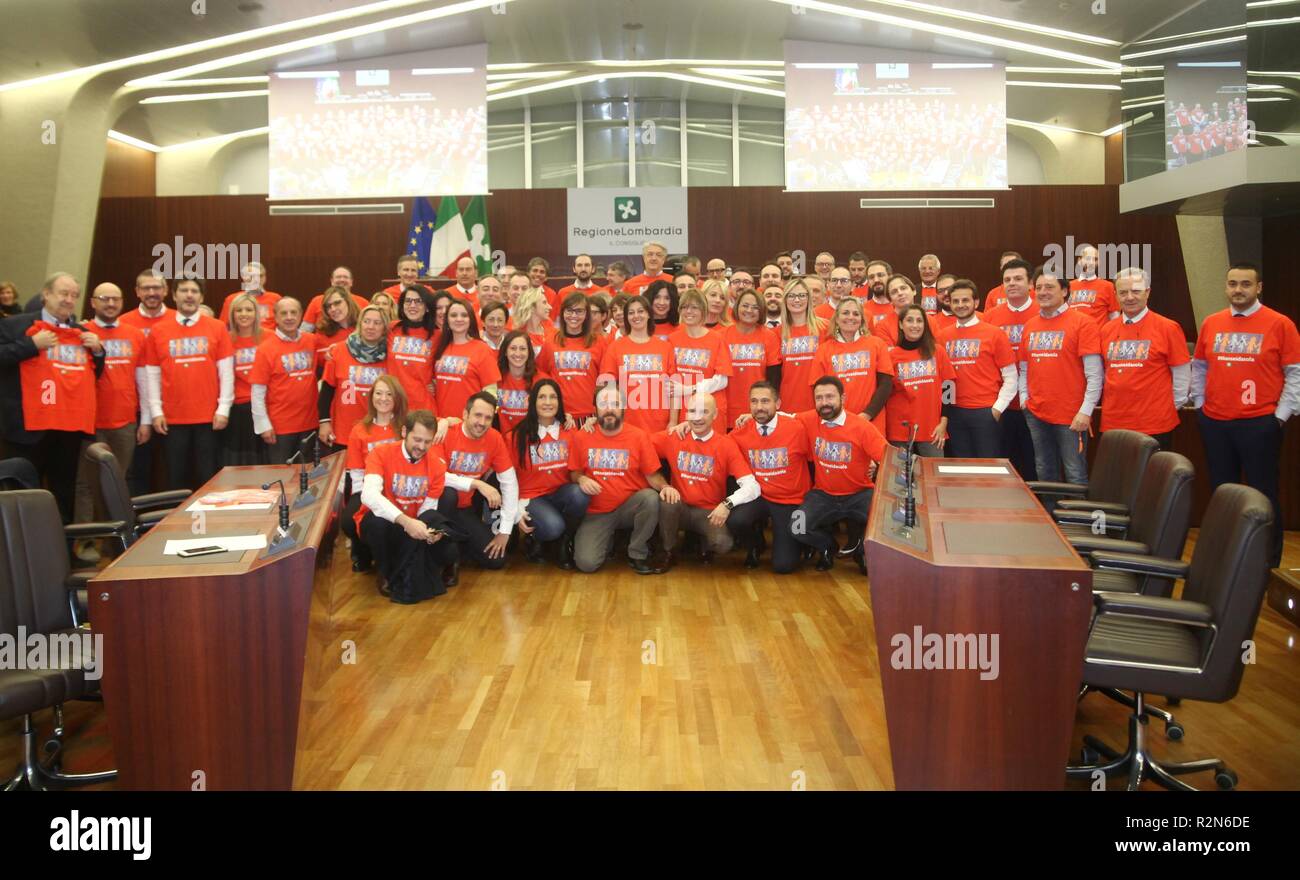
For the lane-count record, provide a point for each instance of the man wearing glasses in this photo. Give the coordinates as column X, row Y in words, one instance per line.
column 717, row 269
column 740, row 281
column 823, row 264
column 944, row 318
column 841, row 287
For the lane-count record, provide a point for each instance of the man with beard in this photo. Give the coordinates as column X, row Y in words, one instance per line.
column 1011, row 316
column 786, row 261
column 876, row 306
column 858, row 274
column 846, row 450
column 582, row 283
column 618, row 468
column 772, row 301
column 769, row 275
column 985, row 365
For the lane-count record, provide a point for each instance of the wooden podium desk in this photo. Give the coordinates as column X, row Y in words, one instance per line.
column 203, row 657
column 984, row 559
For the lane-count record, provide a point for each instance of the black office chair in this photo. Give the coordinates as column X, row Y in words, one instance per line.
column 39, row 595
column 1190, row 647
column 1116, row 472
column 18, row 473
column 121, row 507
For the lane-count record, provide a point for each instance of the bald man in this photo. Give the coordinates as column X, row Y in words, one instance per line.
column 699, row 460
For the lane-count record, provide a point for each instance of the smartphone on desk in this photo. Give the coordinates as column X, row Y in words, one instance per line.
column 200, row 551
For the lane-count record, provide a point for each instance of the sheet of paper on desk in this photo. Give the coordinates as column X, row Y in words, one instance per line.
column 972, row 469
column 235, row 499
column 229, row 542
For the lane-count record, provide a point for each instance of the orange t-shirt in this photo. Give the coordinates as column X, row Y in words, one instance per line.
column 547, row 466
column 1012, row 324
column 700, row 468
column 362, row 441
column 325, row 343
column 352, row 381
column 410, row 361
column 245, row 354
column 619, row 463
column 638, row 283
column 407, row 485
column 1138, row 393
column 188, row 359
column 313, row 312
column 856, row 364
column 563, row 293
column 512, row 400
column 142, row 322
column 928, row 297
column 266, row 301
column 702, row 357
column 463, row 370
column 117, row 397
column 751, row 354
column 641, row 368
column 778, row 459
column 58, row 384
column 842, row 455
column 825, row 311
column 665, row 331
column 575, row 367
column 798, row 368
column 917, row 396
column 288, row 370
column 1054, row 349
column 1096, row 299
column 873, row 313
column 1245, row 357
column 994, row 298
column 474, row 458
column 978, row 353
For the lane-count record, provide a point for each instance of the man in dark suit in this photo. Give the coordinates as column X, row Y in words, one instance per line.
column 48, row 368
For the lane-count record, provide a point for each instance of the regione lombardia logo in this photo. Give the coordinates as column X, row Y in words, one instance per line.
column 627, row 209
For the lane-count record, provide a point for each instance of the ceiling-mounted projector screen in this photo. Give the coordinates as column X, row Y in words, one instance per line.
column 404, row 125
column 866, row 118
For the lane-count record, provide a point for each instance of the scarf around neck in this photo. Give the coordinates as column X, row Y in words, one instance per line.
column 364, row 353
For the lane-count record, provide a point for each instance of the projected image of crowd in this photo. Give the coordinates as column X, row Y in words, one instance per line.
column 348, row 150
column 1198, row 133
column 904, row 142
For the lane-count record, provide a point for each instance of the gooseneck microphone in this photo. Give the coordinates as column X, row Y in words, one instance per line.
column 284, row 505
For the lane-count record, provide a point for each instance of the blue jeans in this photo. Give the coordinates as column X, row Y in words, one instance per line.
column 1056, row 447
column 559, row 512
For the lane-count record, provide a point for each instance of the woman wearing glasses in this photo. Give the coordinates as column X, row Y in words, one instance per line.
column 860, row 360
column 801, row 333
column 410, row 346
column 572, row 355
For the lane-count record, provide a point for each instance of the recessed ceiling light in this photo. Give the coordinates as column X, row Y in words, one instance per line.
column 250, row 7
column 633, row 26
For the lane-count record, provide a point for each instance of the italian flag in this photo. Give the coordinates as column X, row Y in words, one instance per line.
column 449, row 241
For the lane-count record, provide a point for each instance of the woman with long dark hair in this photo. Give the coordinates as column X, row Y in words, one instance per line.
column 617, row 326
column 920, row 368
column 463, row 365
column 518, row 370
column 410, row 346
column 339, row 314
column 663, row 296
column 572, row 356
column 642, row 365
column 550, row 505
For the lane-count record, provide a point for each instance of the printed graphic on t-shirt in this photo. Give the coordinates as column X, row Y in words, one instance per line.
column 776, row 458
column 410, row 346
column 692, row 357
column 609, row 459
column 67, row 355
column 930, row 303
column 964, row 349
column 1047, row 340
column 364, row 375
column 573, row 360
column 694, row 464
column 513, row 398
column 407, row 486
column 851, row 362
column 828, row 450
column 1238, row 343
column 188, row 346
column 464, row 462
column 453, row 365
column 916, row 369
column 799, row 345
column 1082, row 297
column 118, row 350
column 245, row 356
column 1015, row 332
column 1129, row 350
column 747, row 353
column 297, row 361
column 550, row 452
column 643, row 363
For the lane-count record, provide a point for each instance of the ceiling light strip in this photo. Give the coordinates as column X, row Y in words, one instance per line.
column 203, row 96
column 1167, row 49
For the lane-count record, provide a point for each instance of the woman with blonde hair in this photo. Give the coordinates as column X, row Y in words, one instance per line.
column 384, row 300
column 532, row 315
column 240, row 444
column 801, row 333
column 860, row 360
column 702, row 356
column 351, row 368
column 717, row 313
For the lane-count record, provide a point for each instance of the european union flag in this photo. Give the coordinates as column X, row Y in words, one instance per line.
column 419, row 236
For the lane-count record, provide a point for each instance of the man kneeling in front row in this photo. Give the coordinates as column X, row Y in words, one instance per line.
column 399, row 519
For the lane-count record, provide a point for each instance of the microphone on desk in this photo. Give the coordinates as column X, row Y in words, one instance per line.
column 317, row 471
column 283, row 537
column 305, row 493
column 909, row 503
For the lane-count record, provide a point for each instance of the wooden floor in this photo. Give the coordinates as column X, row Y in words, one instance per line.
column 706, row 678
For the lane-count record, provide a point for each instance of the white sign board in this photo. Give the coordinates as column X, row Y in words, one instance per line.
column 617, row 221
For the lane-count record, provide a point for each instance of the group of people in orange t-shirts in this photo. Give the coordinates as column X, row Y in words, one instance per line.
column 688, row 401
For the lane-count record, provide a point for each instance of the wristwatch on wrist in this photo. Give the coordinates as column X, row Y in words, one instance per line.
column 726, row 502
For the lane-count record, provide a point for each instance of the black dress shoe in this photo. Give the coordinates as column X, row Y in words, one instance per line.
column 451, row 575
column 665, row 563
column 825, row 560
column 860, row 557
column 751, row 558
column 532, row 549
column 706, row 557
column 566, row 555
column 642, row 566
column 383, row 587
column 402, row 599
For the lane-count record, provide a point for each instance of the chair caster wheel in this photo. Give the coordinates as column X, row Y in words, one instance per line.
column 1226, row 779
column 1089, row 756
column 1174, row 731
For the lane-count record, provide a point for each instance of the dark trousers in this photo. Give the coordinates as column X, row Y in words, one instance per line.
column 559, row 513
column 1247, row 451
column 285, row 446
column 822, row 510
column 973, row 433
column 412, row 568
column 469, row 520
column 139, row 476
column 56, row 457
column 748, row 519
column 192, row 455
column 1018, row 444
column 360, row 552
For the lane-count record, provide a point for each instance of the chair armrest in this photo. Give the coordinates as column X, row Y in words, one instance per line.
column 1045, row 487
column 115, row 529
column 1133, row 563
column 1155, row 608
column 160, row 499
column 1089, row 543
column 79, row 594
column 1108, row 507
column 146, row 521
column 1111, row 522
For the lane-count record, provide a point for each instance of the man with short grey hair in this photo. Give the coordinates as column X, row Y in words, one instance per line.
column 653, row 255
